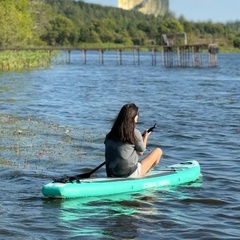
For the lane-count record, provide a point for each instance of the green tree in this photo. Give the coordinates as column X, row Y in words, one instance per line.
column 214, row 29
column 16, row 23
column 170, row 26
column 42, row 14
column 236, row 43
column 60, row 31
column 105, row 29
column 123, row 38
column 72, row 22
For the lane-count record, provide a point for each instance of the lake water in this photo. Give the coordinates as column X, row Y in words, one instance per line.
column 53, row 122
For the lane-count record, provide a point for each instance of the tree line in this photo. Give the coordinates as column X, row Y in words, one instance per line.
column 75, row 23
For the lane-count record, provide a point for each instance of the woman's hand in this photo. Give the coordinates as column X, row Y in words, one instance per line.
column 146, row 134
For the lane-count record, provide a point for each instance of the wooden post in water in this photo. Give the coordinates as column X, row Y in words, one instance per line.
column 212, row 55
column 154, row 58
column 197, row 56
column 138, row 51
column 134, row 56
column 68, row 56
column 101, row 59
column 119, row 56
column 84, row 57
column 183, row 56
column 178, row 57
column 168, row 56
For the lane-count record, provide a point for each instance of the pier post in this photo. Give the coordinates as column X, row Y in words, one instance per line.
column 154, row 58
column 68, row 56
column 84, row 58
column 134, row 56
column 119, row 56
column 101, row 60
column 138, row 51
column 197, row 56
column 212, row 56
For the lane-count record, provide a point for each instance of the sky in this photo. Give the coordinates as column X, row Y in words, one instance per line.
column 196, row 10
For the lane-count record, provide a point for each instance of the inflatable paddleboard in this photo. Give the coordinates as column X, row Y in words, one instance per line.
column 173, row 175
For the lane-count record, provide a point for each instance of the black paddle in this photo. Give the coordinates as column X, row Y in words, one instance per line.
column 66, row 179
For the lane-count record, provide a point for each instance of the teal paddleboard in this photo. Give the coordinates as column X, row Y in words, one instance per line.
column 184, row 172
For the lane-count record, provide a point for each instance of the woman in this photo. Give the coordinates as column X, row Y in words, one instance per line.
column 124, row 143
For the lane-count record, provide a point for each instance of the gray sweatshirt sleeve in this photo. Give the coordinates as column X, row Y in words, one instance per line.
column 139, row 145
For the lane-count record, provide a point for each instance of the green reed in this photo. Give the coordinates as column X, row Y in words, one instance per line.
column 15, row 60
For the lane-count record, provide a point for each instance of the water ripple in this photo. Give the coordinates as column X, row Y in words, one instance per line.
column 53, row 123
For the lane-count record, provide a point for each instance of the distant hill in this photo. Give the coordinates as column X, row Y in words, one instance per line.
column 155, row 7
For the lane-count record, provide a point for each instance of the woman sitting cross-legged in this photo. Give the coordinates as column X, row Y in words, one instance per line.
column 124, row 144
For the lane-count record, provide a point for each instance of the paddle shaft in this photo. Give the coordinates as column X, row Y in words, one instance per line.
column 95, row 169
column 87, row 175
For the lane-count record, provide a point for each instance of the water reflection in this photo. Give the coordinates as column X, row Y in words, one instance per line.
column 119, row 216
column 110, row 217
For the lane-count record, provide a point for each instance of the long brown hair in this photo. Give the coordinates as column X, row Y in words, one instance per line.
column 124, row 125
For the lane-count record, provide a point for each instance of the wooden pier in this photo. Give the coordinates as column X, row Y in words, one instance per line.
column 177, row 53
column 172, row 55
column 119, row 54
